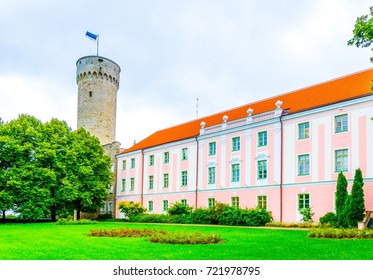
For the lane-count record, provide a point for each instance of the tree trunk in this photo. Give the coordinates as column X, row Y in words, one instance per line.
column 78, row 214
column 4, row 216
column 53, row 213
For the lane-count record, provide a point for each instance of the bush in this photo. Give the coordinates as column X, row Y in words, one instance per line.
column 244, row 217
column 77, row 222
column 150, row 218
column 200, row 216
column 131, row 208
column 179, row 208
column 291, row 225
column 104, row 216
column 329, row 220
column 339, row 233
column 185, row 238
column 306, row 215
column 216, row 211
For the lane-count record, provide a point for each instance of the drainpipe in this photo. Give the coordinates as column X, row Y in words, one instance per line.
column 281, row 163
column 142, row 179
column 197, row 167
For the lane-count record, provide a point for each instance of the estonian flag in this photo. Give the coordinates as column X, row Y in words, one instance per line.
column 91, row 36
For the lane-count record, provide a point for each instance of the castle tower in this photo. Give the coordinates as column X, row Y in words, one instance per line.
column 98, row 82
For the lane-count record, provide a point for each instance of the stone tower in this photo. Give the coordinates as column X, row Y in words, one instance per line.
column 98, row 82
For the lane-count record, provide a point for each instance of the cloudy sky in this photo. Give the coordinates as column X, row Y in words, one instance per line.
column 225, row 53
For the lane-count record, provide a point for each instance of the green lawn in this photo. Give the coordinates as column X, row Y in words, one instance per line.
column 47, row 241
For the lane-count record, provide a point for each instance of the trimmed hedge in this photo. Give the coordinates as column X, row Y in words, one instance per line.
column 339, row 233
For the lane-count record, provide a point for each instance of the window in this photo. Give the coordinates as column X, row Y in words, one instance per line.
column 90, row 94
column 132, row 187
column 123, row 185
column 341, row 160
column 165, row 180
column 304, row 130
column 212, row 148
column 211, row 175
column 235, row 172
column 235, row 202
column 262, row 202
column 211, row 202
column 151, row 182
column 110, row 206
column 303, row 201
column 262, row 138
column 165, row 205
column 166, row 157
column 151, row 160
column 236, row 144
column 304, row 165
column 103, row 207
column 124, row 163
column 132, row 163
column 341, row 123
column 150, row 206
column 184, row 178
column 262, row 169
column 184, row 202
column 184, row 154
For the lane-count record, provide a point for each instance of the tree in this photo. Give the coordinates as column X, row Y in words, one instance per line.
column 6, row 202
column 90, row 174
column 357, row 199
column 341, row 196
column 131, row 208
column 363, row 32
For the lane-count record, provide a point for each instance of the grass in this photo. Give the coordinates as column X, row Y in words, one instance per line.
column 47, row 241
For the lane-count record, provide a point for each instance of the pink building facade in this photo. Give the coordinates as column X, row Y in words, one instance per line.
column 282, row 154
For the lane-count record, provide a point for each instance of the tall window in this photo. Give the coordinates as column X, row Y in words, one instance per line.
column 212, row 148
column 165, row 205
column 235, row 202
column 341, row 123
column 211, row 175
column 184, row 154
column 123, row 185
column 184, row 202
column 303, row 164
column 150, row 206
column 166, row 157
column 132, row 163
column 236, row 145
column 262, row 202
column 303, row 200
column 262, row 138
column 184, row 178
column 341, row 160
column 151, row 182
column 151, row 160
column 110, row 206
column 165, row 180
column 262, row 169
column 304, row 130
column 132, row 187
column 124, row 163
column 211, row 202
column 235, row 172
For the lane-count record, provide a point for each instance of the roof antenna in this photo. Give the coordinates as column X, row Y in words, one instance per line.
column 197, row 107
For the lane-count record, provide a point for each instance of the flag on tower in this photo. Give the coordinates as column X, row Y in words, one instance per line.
column 91, row 36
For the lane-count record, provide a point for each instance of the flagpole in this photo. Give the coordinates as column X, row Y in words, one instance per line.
column 98, row 37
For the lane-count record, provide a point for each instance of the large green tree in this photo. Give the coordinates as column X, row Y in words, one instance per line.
column 363, row 32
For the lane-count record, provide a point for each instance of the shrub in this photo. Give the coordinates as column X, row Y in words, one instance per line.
column 185, row 238
column 201, row 216
column 329, row 220
column 244, row 217
column 123, row 232
column 306, row 215
column 291, row 225
column 131, row 208
column 216, row 211
column 104, row 216
column 150, row 218
column 339, row 233
column 77, row 222
column 179, row 208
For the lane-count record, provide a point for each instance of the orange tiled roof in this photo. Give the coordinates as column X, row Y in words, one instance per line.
column 343, row 88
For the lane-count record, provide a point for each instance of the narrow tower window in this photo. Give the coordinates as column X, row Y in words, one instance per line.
column 90, row 94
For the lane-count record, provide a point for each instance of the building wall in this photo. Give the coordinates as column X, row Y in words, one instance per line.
column 299, row 170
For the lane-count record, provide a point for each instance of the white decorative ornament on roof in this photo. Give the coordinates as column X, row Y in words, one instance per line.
column 278, row 104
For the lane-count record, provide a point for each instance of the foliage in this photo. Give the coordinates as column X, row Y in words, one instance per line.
column 131, row 208
column 339, row 233
column 329, row 220
column 357, row 199
column 179, row 208
column 341, row 196
column 105, row 216
column 344, row 219
column 363, row 32
column 306, row 215
column 72, row 222
column 150, row 218
column 244, row 217
column 291, row 225
column 216, row 211
column 159, row 236
column 201, row 216
column 48, row 170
